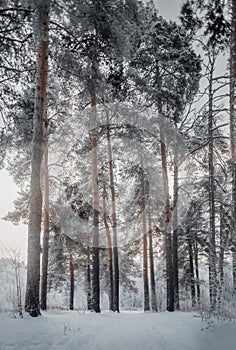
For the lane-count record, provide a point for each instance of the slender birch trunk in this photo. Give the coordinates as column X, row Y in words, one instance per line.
column 35, row 210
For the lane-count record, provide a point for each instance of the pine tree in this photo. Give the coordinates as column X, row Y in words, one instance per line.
column 35, row 210
column 114, row 219
column 168, row 80
column 145, row 250
column 216, row 30
column 16, row 43
column 46, row 221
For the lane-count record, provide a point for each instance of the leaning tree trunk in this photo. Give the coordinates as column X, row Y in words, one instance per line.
column 35, row 209
column 44, row 277
column 114, row 221
column 233, row 136
column 145, row 255
column 167, row 232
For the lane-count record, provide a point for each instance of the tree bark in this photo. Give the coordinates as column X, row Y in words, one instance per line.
column 114, row 222
column 191, row 272
column 151, row 263
column 145, row 255
column 221, row 255
column 95, row 195
column 44, row 277
column 95, row 247
column 197, row 270
column 110, row 255
column 16, row 264
column 167, row 232
column 175, row 237
column 72, row 283
column 212, row 251
column 89, row 292
column 35, row 209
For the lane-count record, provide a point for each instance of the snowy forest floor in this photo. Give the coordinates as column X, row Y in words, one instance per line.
column 125, row 331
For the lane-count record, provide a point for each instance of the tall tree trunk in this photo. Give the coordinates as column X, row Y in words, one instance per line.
column 167, row 232
column 175, row 237
column 89, row 292
column 170, row 302
column 17, row 263
column 191, row 271
column 72, row 283
column 44, row 277
column 212, row 252
column 95, row 247
column 114, row 221
column 197, row 270
column 145, row 255
column 151, row 263
column 221, row 255
column 95, row 190
column 233, row 135
column 110, row 255
column 35, row 209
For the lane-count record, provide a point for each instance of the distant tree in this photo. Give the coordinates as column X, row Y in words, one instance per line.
column 211, row 17
column 12, row 270
column 167, row 81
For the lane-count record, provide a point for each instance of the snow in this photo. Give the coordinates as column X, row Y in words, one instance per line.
column 72, row 330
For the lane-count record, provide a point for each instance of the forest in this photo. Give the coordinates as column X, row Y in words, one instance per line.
column 119, row 129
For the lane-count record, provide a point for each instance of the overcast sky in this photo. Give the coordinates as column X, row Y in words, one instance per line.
column 16, row 236
column 169, row 9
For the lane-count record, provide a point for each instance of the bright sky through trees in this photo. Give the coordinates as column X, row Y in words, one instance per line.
column 11, row 235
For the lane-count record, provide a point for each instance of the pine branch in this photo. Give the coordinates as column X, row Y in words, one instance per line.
column 11, row 9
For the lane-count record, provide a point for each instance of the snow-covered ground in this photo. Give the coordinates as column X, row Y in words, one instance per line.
column 124, row 331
